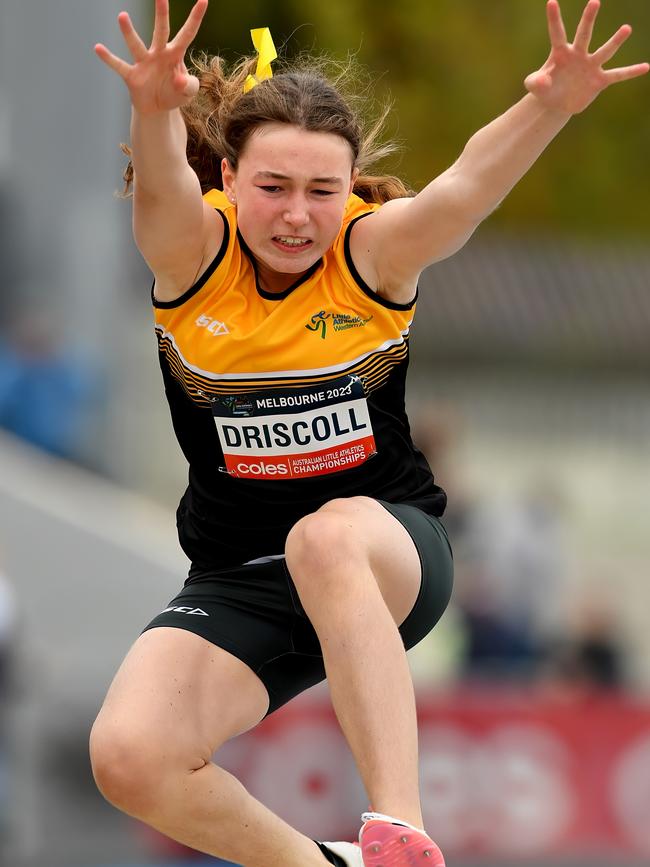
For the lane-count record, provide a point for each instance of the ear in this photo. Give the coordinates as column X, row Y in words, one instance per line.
column 228, row 179
column 353, row 180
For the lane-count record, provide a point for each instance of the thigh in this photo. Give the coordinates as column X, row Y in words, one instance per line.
column 183, row 691
column 252, row 612
column 436, row 560
column 407, row 550
column 387, row 545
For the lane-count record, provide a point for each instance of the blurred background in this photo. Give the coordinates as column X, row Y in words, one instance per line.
column 528, row 392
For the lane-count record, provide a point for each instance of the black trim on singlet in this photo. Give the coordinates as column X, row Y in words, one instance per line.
column 212, row 267
column 371, row 293
column 275, row 296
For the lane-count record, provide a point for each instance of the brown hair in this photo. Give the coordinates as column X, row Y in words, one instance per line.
column 309, row 95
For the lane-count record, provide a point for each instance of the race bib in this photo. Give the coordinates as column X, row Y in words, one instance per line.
column 297, row 433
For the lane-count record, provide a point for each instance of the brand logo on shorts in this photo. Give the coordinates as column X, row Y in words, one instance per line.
column 187, row 609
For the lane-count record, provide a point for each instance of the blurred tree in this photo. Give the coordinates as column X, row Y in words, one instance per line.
column 452, row 65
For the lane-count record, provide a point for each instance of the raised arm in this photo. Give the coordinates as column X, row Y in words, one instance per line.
column 175, row 231
column 392, row 247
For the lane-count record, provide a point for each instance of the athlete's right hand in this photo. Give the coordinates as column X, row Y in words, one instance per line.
column 158, row 79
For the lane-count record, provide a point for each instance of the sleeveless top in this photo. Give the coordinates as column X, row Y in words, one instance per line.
column 281, row 402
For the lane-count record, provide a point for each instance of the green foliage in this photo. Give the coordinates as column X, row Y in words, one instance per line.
column 450, row 66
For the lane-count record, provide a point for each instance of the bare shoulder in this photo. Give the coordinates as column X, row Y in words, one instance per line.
column 370, row 239
column 174, row 277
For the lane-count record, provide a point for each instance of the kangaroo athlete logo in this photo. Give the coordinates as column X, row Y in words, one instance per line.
column 318, row 323
column 340, row 322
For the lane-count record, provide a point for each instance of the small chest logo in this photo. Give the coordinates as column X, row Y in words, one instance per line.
column 339, row 322
column 214, row 326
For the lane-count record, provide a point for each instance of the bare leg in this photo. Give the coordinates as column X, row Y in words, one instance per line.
column 174, row 701
column 357, row 572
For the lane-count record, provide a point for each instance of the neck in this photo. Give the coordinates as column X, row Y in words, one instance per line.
column 274, row 281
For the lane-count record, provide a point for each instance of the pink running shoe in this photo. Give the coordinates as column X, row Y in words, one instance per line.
column 388, row 842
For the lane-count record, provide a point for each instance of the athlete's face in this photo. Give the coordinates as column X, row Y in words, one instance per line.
column 290, row 187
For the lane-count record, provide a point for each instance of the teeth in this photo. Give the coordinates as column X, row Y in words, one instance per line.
column 292, row 242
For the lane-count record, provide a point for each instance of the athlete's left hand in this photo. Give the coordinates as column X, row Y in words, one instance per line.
column 572, row 78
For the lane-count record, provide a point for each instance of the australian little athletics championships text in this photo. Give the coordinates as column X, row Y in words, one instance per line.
column 317, row 464
column 294, row 465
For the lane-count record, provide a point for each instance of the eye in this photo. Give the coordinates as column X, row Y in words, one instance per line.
column 270, row 189
column 324, row 193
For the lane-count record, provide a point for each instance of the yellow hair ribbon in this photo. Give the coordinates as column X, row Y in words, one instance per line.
column 266, row 53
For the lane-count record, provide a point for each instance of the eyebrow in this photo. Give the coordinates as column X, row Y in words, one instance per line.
column 280, row 177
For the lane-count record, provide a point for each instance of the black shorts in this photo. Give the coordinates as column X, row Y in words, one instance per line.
column 253, row 611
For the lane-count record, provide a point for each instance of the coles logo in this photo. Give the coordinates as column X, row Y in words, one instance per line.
column 262, row 469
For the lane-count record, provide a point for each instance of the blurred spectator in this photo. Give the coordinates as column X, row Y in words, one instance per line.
column 512, row 562
column 593, row 657
column 509, row 559
column 45, row 390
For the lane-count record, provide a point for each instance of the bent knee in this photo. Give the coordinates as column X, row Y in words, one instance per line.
column 318, row 538
column 326, row 543
column 125, row 766
column 130, row 766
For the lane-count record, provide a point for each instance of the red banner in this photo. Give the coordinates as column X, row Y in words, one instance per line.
column 503, row 773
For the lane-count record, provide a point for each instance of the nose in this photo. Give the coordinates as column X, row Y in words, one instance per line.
column 296, row 213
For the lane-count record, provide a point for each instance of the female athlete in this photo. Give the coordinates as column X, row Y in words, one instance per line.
column 285, row 286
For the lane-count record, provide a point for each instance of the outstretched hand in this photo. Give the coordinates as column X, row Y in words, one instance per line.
column 158, row 79
column 572, row 78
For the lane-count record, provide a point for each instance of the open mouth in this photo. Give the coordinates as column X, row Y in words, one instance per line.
column 288, row 242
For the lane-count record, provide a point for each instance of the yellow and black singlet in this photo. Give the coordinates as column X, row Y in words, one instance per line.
column 281, row 402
